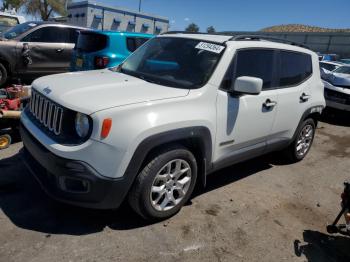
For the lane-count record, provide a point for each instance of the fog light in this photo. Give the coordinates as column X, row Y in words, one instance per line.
column 73, row 185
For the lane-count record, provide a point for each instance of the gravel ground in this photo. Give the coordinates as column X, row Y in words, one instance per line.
column 260, row 210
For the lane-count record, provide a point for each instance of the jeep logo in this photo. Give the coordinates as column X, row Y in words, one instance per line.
column 47, row 90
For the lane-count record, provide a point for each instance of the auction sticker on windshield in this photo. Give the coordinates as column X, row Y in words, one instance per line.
column 210, row 47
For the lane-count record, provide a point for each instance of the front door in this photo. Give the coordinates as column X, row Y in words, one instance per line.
column 245, row 121
column 42, row 52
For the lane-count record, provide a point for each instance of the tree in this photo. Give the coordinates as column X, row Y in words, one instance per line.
column 16, row 4
column 211, row 30
column 192, row 28
column 45, row 8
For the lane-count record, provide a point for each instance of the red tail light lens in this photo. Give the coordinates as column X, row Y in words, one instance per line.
column 101, row 62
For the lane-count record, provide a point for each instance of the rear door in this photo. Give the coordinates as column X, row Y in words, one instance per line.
column 244, row 122
column 71, row 39
column 293, row 94
column 46, row 51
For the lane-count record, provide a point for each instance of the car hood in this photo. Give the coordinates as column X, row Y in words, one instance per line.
column 340, row 80
column 336, row 79
column 92, row 91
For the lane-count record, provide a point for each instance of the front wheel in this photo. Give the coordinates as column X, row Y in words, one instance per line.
column 165, row 184
column 303, row 141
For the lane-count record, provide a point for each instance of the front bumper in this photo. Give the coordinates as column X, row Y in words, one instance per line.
column 70, row 181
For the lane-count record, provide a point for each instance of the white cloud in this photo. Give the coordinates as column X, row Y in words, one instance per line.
column 187, row 19
column 172, row 22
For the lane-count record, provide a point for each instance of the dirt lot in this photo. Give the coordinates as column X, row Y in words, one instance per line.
column 260, row 210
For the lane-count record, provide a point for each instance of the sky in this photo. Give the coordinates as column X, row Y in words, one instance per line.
column 243, row 15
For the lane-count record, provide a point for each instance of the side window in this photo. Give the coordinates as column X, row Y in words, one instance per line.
column 72, row 35
column 133, row 43
column 294, row 68
column 252, row 62
column 48, row 34
column 130, row 44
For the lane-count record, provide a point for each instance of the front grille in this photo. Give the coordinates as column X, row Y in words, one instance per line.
column 48, row 113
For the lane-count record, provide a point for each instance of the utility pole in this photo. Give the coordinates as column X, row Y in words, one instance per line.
column 140, row 5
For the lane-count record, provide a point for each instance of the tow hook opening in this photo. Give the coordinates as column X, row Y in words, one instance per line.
column 73, row 185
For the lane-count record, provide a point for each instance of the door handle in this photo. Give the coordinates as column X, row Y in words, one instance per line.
column 59, row 50
column 269, row 103
column 304, row 97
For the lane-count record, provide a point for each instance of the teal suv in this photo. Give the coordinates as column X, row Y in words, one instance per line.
column 102, row 49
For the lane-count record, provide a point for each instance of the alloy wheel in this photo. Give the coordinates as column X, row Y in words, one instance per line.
column 304, row 140
column 170, row 185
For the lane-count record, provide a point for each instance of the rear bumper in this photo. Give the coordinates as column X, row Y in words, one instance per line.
column 70, row 181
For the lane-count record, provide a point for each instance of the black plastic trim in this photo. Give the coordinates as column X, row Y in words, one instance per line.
column 198, row 134
column 314, row 110
column 49, row 169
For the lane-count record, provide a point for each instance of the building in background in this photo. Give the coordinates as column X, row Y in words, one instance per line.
column 99, row 16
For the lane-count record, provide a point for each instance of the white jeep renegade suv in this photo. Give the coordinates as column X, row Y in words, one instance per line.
column 179, row 108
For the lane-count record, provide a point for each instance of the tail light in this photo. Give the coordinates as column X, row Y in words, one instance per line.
column 101, row 62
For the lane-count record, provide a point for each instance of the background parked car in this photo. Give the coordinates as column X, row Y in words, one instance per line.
column 328, row 57
column 345, row 61
column 101, row 49
column 337, row 88
column 9, row 20
column 35, row 49
column 330, row 66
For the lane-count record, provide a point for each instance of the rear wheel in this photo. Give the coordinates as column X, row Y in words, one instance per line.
column 5, row 141
column 164, row 185
column 303, row 141
column 3, row 75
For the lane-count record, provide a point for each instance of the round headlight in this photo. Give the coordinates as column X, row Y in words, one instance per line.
column 82, row 125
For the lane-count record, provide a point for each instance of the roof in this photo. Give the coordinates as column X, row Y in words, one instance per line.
column 247, row 40
column 107, row 32
column 55, row 23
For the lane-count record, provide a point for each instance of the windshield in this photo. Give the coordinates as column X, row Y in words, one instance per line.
column 342, row 70
column 19, row 29
column 177, row 62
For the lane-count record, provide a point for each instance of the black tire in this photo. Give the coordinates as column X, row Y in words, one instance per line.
column 291, row 151
column 5, row 141
column 140, row 194
column 3, row 75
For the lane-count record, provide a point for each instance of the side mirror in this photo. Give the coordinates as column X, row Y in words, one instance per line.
column 247, row 85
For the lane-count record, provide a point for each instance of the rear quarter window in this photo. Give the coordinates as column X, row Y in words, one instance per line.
column 294, row 68
column 91, row 42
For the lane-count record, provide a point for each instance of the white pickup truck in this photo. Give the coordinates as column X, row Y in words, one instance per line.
column 9, row 20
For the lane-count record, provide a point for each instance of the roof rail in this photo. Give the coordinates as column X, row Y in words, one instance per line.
column 189, row 33
column 267, row 38
column 243, row 37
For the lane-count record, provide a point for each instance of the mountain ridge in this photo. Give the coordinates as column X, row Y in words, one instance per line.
column 302, row 28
